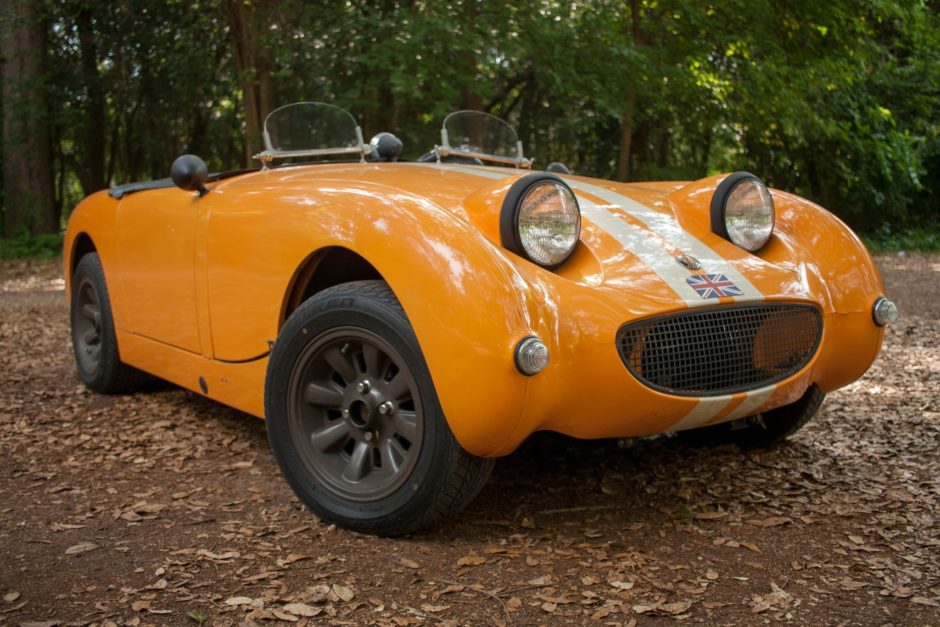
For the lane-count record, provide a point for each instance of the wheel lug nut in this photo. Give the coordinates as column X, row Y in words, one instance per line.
column 364, row 386
column 345, row 413
column 369, row 436
column 386, row 408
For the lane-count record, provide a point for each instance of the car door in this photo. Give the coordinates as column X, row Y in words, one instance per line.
column 157, row 239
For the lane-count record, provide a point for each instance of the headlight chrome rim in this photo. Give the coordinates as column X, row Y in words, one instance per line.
column 515, row 214
column 731, row 185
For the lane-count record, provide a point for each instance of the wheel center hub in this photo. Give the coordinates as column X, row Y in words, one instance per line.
column 360, row 414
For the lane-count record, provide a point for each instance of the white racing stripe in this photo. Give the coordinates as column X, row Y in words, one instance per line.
column 707, row 408
column 646, row 248
column 669, row 229
column 637, row 240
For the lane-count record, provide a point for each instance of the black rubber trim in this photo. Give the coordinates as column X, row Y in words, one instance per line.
column 244, row 361
column 509, row 214
column 120, row 191
column 720, row 197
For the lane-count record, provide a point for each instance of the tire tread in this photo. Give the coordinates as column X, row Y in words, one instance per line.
column 462, row 475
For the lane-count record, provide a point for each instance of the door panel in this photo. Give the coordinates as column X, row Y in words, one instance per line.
column 157, row 247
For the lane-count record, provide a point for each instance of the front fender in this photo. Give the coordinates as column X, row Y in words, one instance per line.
column 467, row 304
column 849, row 285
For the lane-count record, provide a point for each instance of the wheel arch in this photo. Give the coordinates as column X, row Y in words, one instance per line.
column 321, row 269
column 79, row 246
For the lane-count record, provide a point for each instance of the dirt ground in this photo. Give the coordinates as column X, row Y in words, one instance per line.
column 166, row 508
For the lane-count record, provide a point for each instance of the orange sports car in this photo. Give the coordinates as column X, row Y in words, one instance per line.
column 399, row 324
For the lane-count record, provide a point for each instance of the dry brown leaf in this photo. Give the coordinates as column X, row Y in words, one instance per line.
column 290, row 559
column 408, row 563
column 925, row 601
column 10, row 597
column 219, row 557
column 434, row 609
column 343, row 592
column 302, row 609
column 848, row 583
column 774, row 521
column 676, row 607
column 239, row 601
column 471, row 560
column 285, row 616
column 81, row 547
column 513, row 604
column 709, row 515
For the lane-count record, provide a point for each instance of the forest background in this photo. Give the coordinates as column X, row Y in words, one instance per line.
column 838, row 101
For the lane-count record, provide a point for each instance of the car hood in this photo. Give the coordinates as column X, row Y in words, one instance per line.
column 648, row 245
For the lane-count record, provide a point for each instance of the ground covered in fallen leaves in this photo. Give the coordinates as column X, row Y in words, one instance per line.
column 166, row 508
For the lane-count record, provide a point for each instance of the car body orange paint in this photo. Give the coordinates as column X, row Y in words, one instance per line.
column 200, row 287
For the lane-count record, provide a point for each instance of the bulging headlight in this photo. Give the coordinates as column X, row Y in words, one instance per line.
column 742, row 211
column 540, row 220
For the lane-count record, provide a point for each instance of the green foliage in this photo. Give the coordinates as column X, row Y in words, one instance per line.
column 917, row 238
column 23, row 246
column 838, row 101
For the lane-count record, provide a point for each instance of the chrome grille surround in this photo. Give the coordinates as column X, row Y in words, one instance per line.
column 721, row 350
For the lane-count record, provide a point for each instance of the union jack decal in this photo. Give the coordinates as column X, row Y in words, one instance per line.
column 713, row 285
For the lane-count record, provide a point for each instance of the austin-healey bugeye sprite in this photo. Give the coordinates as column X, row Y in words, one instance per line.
column 400, row 324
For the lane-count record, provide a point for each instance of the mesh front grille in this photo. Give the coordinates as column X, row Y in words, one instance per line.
column 721, row 350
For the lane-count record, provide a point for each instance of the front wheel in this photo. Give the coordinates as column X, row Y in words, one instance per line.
column 354, row 421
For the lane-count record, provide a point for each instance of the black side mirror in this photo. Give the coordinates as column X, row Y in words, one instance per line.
column 557, row 168
column 190, row 173
column 386, row 147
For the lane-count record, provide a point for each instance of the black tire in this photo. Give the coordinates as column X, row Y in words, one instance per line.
column 764, row 430
column 354, row 421
column 94, row 343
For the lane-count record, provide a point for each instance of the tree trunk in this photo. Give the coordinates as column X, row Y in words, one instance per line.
column 248, row 24
column 626, row 136
column 92, row 173
column 29, row 201
column 629, row 108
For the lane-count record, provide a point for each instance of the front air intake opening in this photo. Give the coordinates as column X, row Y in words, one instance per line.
column 721, row 350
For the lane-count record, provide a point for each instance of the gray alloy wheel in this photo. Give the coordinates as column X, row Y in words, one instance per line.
column 354, row 421
column 356, row 414
column 87, row 325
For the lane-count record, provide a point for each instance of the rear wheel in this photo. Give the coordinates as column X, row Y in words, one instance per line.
column 763, row 430
column 354, row 421
column 94, row 342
